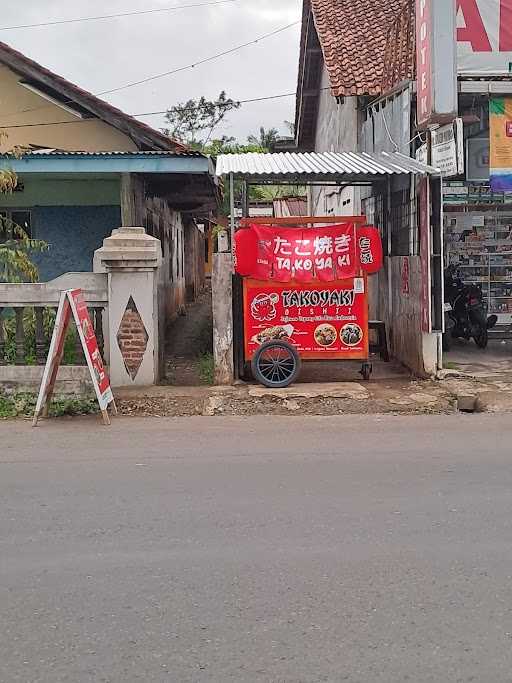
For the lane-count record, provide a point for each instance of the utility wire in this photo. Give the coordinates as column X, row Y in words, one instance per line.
column 59, row 22
column 151, row 78
column 156, row 113
column 149, row 113
column 202, row 61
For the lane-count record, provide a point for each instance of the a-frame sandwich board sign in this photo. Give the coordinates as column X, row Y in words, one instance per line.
column 72, row 305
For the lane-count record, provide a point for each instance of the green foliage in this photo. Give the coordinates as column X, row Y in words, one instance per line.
column 266, row 138
column 29, row 324
column 23, row 405
column 15, row 244
column 16, row 248
column 188, row 121
column 206, row 368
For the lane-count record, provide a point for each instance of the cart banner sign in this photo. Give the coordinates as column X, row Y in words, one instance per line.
column 307, row 255
column 322, row 320
column 72, row 304
column 501, row 144
column 484, row 36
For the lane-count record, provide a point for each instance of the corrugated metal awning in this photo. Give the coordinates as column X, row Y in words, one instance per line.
column 333, row 166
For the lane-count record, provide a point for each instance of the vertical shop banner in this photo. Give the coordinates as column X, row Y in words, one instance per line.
column 426, row 284
column 323, row 321
column 436, row 61
column 72, row 304
column 500, row 111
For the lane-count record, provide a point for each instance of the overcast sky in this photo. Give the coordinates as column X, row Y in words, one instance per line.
column 101, row 55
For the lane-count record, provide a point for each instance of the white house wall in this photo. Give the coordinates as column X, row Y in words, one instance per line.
column 337, row 131
column 388, row 126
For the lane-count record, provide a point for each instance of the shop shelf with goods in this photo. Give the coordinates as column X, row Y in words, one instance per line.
column 480, row 246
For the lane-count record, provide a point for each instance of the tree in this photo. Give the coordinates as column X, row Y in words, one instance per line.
column 266, row 139
column 189, row 121
column 16, row 246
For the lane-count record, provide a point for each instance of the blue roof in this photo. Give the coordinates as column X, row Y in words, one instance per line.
column 56, row 161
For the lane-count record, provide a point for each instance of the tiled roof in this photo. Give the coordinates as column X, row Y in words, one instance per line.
column 142, row 134
column 353, row 35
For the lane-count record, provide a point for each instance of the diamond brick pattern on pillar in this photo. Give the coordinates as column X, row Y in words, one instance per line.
column 132, row 338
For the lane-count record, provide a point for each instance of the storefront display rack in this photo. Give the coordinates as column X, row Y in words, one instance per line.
column 480, row 245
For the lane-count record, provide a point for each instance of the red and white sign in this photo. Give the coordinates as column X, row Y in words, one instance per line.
column 72, row 304
column 322, row 320
column 307, row 255
column 424, row 59
column 484, row 36
column 436, row 60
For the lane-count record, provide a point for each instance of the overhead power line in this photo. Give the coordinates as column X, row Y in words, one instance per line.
column 59, row 22
column 168, row 73
column 198, row 63
column 157, row 113
column 149, row 113
column 255, row 99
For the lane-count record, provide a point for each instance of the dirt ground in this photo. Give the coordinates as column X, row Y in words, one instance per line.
column 189, row 338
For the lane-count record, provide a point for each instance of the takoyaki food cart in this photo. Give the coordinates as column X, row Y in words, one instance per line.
column 305, row 293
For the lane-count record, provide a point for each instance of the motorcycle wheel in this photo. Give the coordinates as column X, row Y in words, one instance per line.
column 482, row 339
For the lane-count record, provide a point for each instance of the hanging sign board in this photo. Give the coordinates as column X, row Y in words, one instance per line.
column 501, row 144
column 324, row 321
column 448, row 149
column 422, row 154
column 307, row 255
column 72, row 305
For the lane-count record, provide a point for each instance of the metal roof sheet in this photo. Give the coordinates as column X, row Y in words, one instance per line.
column 322, row 164
column 145, row 153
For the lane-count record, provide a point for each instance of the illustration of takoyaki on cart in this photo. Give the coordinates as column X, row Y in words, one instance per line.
column 304, row 293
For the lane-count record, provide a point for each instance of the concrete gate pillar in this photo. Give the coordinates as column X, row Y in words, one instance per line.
column 132, row 259
column 222, row 296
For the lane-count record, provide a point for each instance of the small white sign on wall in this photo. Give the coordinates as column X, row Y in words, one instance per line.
column 448, row 149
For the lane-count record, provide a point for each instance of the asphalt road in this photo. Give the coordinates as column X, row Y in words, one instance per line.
column 281, row 550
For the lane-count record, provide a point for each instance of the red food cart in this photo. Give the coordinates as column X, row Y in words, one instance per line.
column 305, row 293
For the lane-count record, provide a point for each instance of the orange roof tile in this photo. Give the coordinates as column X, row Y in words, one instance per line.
column 354, row 35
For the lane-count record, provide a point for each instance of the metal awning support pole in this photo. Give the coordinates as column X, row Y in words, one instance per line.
column 245, row 200
column 232, row 207
column 389, row 250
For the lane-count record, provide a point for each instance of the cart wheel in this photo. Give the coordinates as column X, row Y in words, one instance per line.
column 366, row 371
column 276, row 364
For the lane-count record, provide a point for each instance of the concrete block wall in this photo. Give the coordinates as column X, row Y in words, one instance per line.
column 72, row 380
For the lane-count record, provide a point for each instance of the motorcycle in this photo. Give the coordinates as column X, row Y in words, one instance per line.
column 467, row 317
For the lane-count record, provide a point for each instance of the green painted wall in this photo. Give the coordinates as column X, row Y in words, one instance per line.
column 79, row 192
